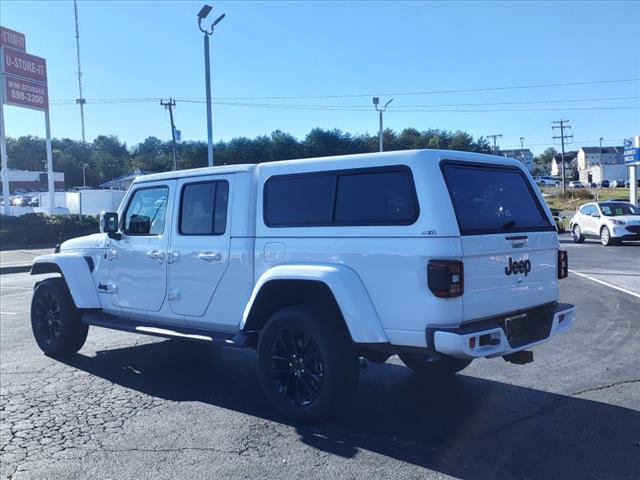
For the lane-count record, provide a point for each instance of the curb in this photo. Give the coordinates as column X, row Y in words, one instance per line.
column 15, row 269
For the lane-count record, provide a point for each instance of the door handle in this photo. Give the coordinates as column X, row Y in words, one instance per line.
column 156, row 255
column 210, row 256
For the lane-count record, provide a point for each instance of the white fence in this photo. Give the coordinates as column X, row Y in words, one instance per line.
column 85, row 202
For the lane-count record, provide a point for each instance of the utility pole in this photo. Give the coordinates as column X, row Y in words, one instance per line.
column 562, row 125
column 381, row 110
column 169, row 104
column 522, row 149
column 601, row 164
column 80, row 101
column 495, row 145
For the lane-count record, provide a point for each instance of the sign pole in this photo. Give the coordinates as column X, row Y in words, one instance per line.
column 52, row 194
column 633, row 184
column 632, row 160
column 3, row 152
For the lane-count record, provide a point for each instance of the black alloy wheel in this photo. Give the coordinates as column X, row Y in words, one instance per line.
column 297, row 367
column 46, row 317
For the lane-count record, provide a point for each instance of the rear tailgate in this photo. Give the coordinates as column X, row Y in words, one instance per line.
column 509, row 243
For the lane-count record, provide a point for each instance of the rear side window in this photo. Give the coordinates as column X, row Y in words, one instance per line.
column 374, row 196
column 203, row 208
column 299, row 200
column 493, row 200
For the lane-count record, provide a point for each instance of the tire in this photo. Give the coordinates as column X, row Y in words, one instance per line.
column 55, row 321
column 306, row 363
column 576, row 233
column 442, row 366
column 605, row 237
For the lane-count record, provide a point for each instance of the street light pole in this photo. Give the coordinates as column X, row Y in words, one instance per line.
column 84, row 178
column 202, row 14
column 522, row 149
column 376, row 101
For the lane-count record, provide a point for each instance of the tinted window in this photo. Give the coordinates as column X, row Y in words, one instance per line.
column 203, row 208
column 300, row 200
column 493, row 200
column 375, row 198
column 146, row 212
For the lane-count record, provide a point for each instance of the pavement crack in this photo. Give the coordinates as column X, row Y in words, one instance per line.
column 604, row 387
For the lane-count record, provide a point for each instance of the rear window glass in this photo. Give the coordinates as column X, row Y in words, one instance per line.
column 493, row 200
column 300, row 200
column 372, row 196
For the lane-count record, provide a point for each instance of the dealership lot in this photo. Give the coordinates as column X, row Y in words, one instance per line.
column 130, row 406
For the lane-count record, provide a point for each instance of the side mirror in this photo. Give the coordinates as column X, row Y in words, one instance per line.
column 109, row 224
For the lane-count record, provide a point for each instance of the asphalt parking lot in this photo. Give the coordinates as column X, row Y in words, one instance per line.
column 130, row 406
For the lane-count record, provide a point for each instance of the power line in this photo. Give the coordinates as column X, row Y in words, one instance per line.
column 435, row 92
column 337, row 108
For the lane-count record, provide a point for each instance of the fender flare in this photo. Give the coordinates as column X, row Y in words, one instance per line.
column 75, row 271
column 347, row 288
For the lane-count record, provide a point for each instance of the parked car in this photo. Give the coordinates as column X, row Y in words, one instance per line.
column 440, row 257
column 610, row 221
column 544, row 180
column 628, row 183
column 576, row 184
column 558, row 218
column 602, row 184
column 616, row 184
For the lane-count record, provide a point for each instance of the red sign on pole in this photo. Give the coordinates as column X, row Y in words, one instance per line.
column 21, row 64
column 13, row 39
column 25, row 93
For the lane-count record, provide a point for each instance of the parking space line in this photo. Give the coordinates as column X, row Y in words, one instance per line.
column 624, row 290
column 19, row 288
column 8, row 313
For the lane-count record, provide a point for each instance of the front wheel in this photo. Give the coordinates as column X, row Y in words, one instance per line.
column 306, row 363
column 441, row 365
column 605, row 237
column 55, row 320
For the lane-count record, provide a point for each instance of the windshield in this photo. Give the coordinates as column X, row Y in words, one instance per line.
column 493, row 200
column 617, row 209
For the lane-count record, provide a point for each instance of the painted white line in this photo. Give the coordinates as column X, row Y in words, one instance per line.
column 8, row 313
column 624, row 290
column 20, row 288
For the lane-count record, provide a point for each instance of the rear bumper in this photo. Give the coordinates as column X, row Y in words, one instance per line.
column 488, row 338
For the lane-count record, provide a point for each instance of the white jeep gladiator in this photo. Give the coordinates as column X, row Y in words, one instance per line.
column 439, row 257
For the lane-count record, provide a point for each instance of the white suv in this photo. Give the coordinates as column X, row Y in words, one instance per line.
column 437, row 256
column 611, row 222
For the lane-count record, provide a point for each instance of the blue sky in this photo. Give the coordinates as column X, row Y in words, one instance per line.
column 151, row 49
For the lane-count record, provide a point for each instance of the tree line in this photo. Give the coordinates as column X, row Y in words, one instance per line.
column 107, row 157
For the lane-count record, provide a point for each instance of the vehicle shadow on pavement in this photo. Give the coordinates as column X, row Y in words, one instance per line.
column 466, row 427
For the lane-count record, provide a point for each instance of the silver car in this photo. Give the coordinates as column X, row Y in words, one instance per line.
column 611, row 222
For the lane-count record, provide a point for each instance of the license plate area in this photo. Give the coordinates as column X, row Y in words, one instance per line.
column 515, row 328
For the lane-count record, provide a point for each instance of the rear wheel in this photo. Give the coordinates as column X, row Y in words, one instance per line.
column 576, row 233
column 55, row 320
column 306, row 363
column 441, row 365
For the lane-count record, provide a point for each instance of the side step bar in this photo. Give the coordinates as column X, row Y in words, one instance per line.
column 99, row 319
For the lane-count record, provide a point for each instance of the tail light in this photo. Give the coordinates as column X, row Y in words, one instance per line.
column 563, row 264
column 445, row 278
